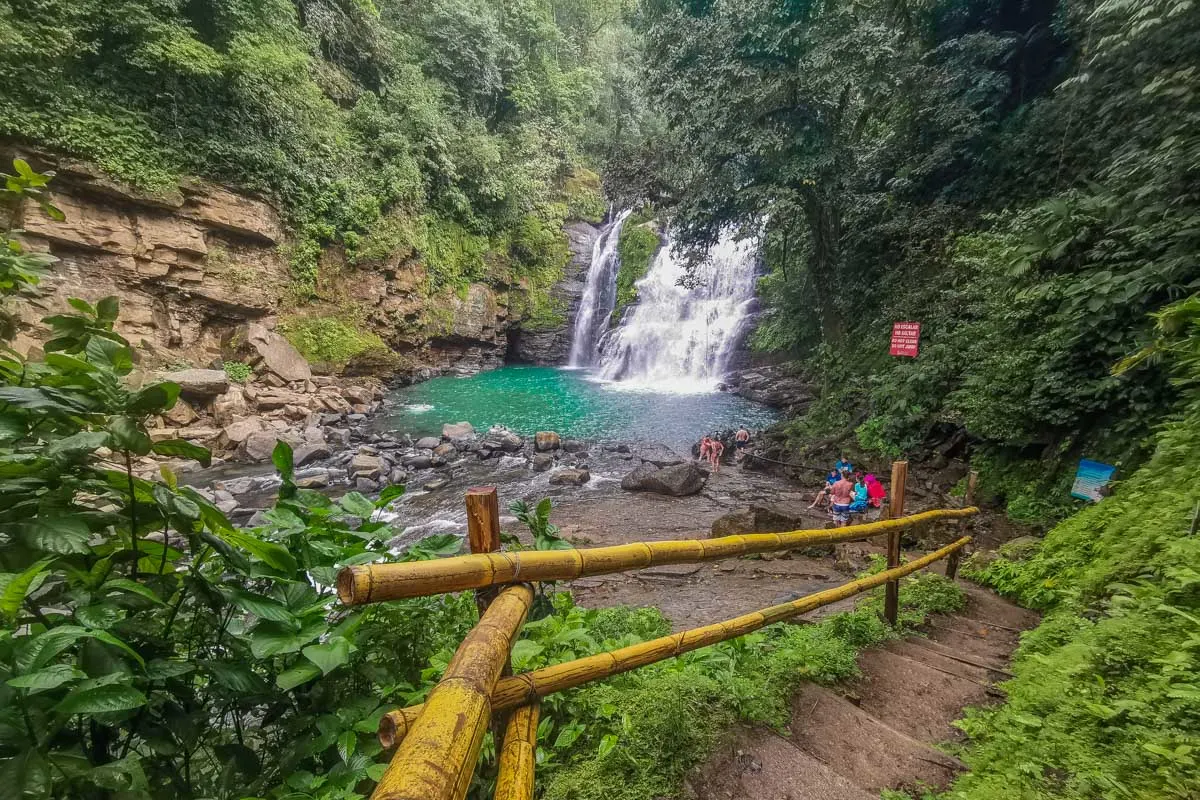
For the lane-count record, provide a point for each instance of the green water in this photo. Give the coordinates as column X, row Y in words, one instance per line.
column 571, row 402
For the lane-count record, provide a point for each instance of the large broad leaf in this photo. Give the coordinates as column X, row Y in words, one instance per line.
column 160, row 670
column 56, row 534
column 357, row 504
column 235, row 677
column 130, row 587
column 183, row 449
column 525, row 651
column 102, row 700
column 270, row 553
column 45, row 400
column 301, row 673
column 46, row 645
column 261, row 606
column 389, row 494
column 108, row 309
column 78, row 444
column 105, row 352
column 330, row 655
column 127, row 434
column 281, row 457
column 51, row 677
column 155, row 398
column 270, row 638
column 16, row 586
column 12, row 427
column 101, row 616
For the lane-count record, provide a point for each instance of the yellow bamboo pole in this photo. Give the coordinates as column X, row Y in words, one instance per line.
column 525, row 688
column 373, row 583
column 519, row 755
column 437, row 758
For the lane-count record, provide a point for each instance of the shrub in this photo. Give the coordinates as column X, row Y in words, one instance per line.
column 328, row 340
column 238, row 372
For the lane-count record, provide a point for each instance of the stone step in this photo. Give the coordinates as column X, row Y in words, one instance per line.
column 863, row 749
column 758, row 764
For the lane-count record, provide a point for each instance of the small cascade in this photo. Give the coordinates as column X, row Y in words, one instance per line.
column 680, row 338
column 599, row 295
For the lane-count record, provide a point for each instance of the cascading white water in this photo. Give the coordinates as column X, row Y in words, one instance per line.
column 599, row 295
column 680, row 338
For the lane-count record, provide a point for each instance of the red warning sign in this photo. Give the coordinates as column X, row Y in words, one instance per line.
column 906, row 337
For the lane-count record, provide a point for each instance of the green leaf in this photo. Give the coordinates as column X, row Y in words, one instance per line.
column 108, row 638
column 102, row 700
column 23, row 169
column 236, row 677
column 101, row 616
column 46, row 645
column 82, row 306
column 261, row 606
column 357, row 505
column 525, row 651
column 270, row 638
column 346, row 744
column 57, row 534
column 183, row 449
column 301, row 673
column 268, row 552
column 160, row 670
column 154, row 399
column 568, row 735
column 128, row 434
column 607, row 743
column 330, row 655
column 130, row 587
column 77, row 444
column 108, row 309
column 389, row 494
column 49, row 678
column 281, row 457
column 105, row 352
column 17, row 585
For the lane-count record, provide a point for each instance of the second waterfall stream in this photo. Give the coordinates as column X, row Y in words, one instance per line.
column 684, row 329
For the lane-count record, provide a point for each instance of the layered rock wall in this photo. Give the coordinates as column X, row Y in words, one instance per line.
column 552, row 345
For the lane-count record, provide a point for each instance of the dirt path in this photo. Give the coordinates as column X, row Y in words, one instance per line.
column 881, row 731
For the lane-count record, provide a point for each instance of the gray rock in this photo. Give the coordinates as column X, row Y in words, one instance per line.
column 276, row 354
column 570, row 477
column 444, row 450
column 313, row 479
column 417, row 462
column 202, row 384
column 542, row 462
column 458, row 430
column 236, row 486
column 362, row 484
column 428, row 442
column 677, row 480
column 436, row 483
column 398, row 476
column 309, row 453
column 337, row 437
column 365, row 465
column 545, row 441
column 659, row 455
column 574, row 446
column 259, row 446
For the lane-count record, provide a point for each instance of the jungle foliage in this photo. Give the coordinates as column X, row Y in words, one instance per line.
column 1021, row 178
column 460, row 129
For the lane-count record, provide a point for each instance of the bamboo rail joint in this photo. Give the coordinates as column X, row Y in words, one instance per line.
column 398, row 725
column 373, row 583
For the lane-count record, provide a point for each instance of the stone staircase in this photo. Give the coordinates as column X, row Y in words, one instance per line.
column 851, row 741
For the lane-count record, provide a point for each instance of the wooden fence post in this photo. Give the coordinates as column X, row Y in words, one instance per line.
column 891, row 600
column 483, row 532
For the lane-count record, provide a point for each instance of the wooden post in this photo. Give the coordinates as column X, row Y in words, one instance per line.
column 952, row 564
column 483, row 532
column 972, row 483
column 891, row 600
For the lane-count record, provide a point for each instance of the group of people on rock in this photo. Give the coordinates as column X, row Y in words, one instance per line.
column 712, row 448
column 848, row 492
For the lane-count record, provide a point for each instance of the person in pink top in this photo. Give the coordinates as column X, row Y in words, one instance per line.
column 841, row 495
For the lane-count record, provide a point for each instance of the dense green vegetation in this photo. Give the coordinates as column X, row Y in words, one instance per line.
column 1105, row 702
column 636, row 248
column 456, row 130
column 1018, row 177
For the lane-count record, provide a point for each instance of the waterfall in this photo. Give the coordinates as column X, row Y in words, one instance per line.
column 599, row 295
column 682, row 338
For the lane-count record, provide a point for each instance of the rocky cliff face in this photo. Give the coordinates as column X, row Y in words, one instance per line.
column 195, row 267
column 552, row 345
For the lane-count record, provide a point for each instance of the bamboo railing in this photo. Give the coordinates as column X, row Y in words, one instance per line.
column 373, row 583
column 519, row 689
column 438, row 743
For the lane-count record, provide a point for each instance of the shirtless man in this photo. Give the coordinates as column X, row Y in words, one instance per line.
column 741, row 440
column 841, row 495
column 705, row 448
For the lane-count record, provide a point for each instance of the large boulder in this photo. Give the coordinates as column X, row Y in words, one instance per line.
column 570, row 477
column 237, row 432
column 259, row 446
column 545, row 441
column 181, row 414
column 199, row 384
column 659, row 455
column 455, row 431
column 366, row 465
column 776, row 518
column 428, row 442
column 273, row 353
column 542, row 462
column 677, row 480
